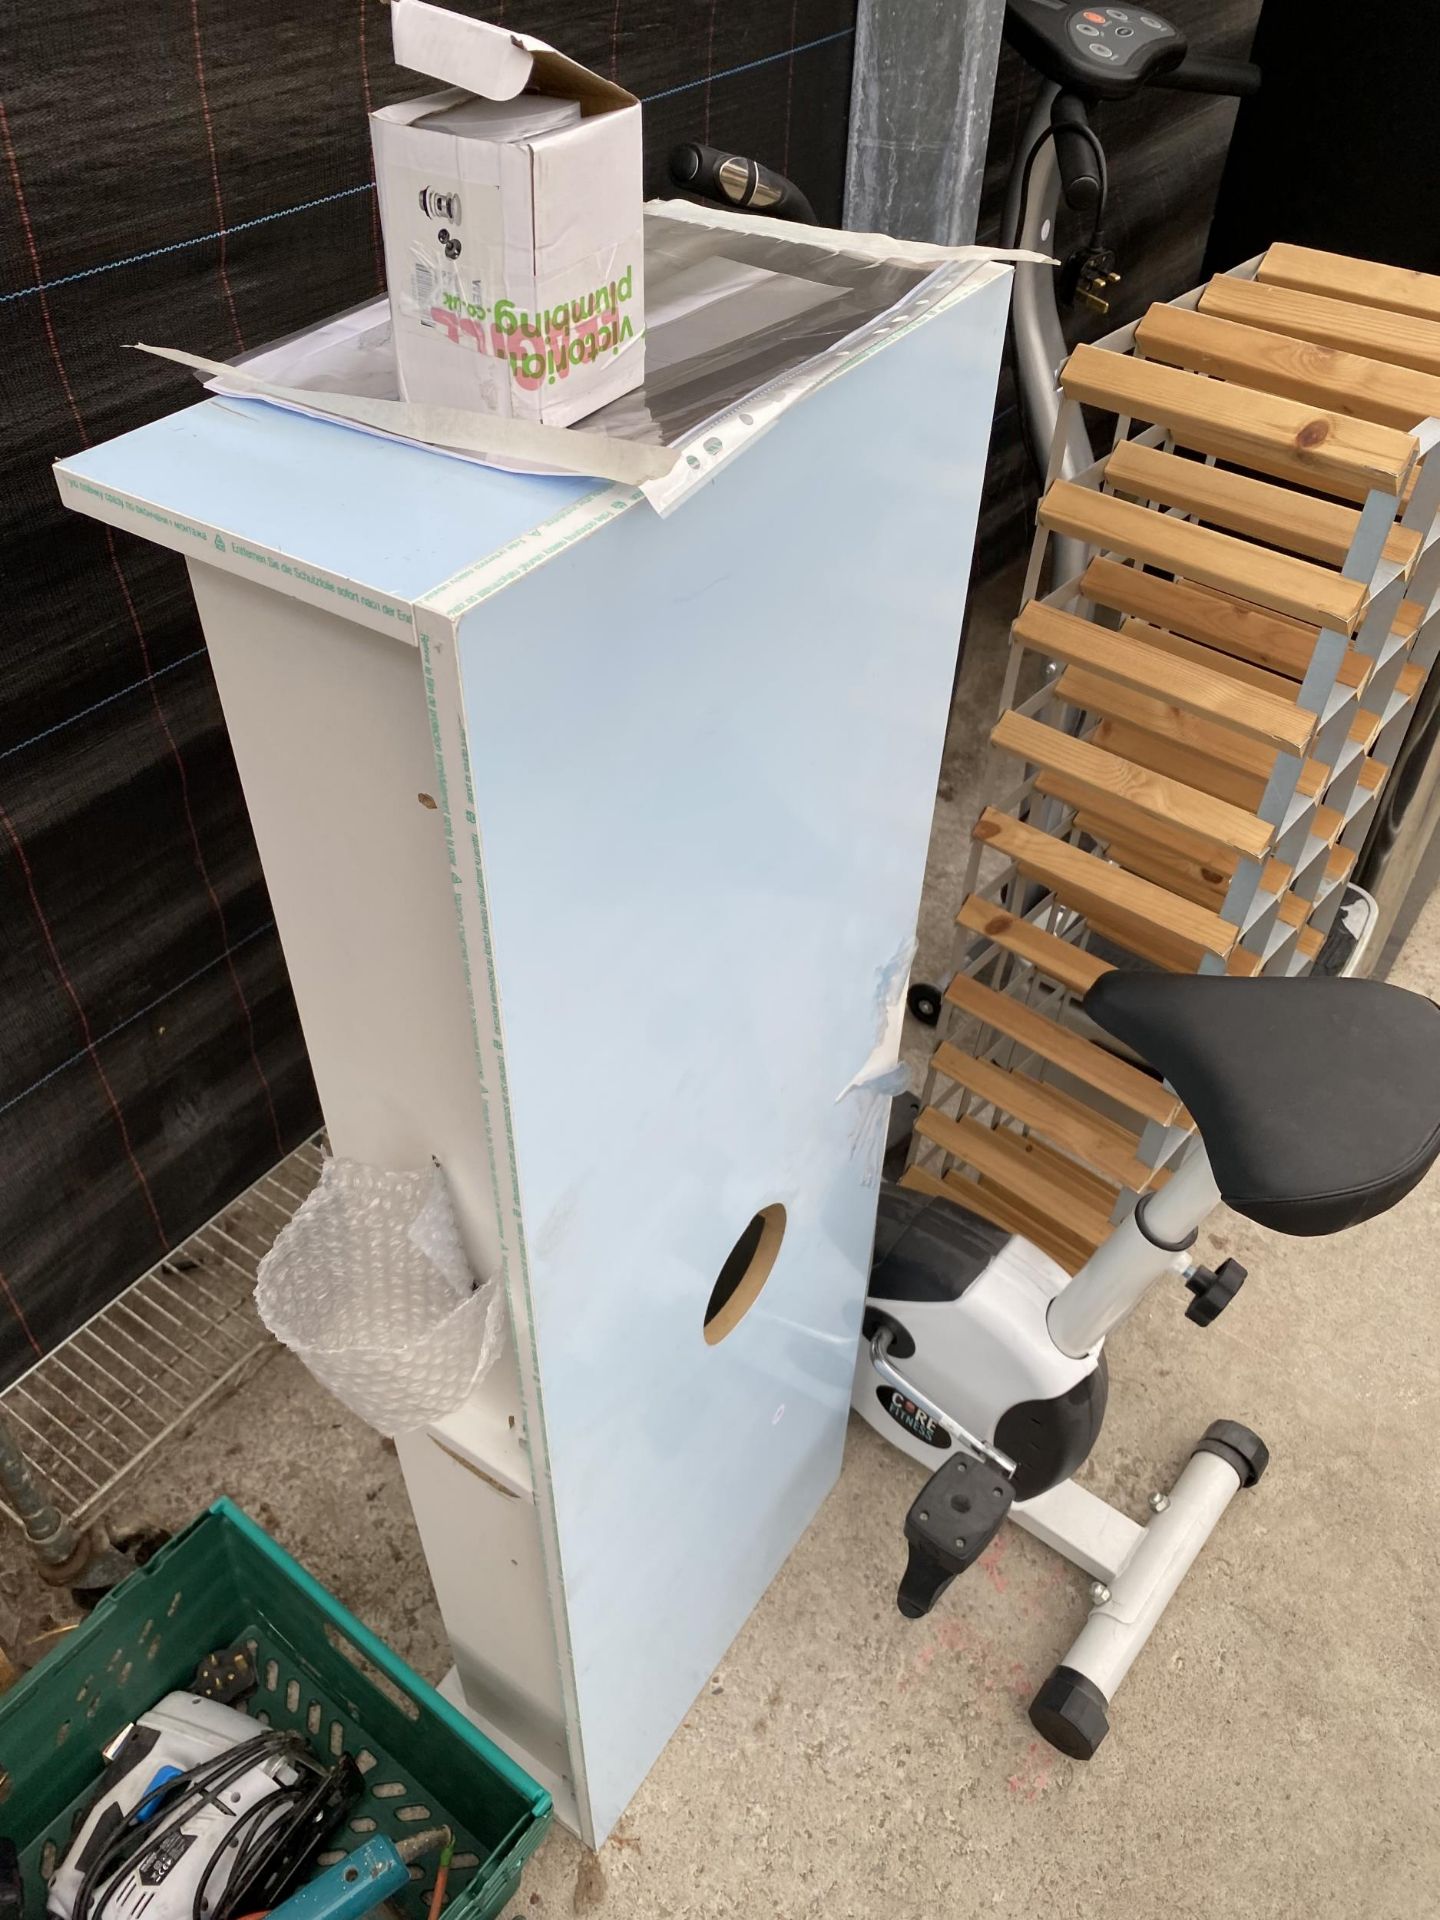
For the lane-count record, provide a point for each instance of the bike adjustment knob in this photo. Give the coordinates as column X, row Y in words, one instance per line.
column 1213, row 1291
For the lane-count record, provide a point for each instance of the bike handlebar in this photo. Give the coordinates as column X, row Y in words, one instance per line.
column 1200, row 73
column 732, row 180
column 1077, row 154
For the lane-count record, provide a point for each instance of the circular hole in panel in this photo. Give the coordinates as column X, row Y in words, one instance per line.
column 746, row 1269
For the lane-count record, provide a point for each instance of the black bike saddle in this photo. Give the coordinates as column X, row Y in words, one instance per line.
column 1318, row 1100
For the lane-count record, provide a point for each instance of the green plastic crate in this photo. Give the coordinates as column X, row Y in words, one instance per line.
column 221, row 1581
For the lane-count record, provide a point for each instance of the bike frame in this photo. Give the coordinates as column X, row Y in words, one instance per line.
column 1040, row 346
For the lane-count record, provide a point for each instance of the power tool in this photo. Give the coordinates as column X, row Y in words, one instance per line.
column 199, row 1809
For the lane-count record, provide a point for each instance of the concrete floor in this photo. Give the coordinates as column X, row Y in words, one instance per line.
column 1273, row 1754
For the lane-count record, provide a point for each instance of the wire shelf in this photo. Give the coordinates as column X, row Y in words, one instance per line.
column 102, row 1401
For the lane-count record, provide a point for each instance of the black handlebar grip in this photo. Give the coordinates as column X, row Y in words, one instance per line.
column 1075, row 155
column 731, row 180
column 1197, row 73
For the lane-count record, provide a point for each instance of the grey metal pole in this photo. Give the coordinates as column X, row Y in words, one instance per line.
column 920, row 98
column 1040, row 348
column 55, row 1541
column 86, row 1562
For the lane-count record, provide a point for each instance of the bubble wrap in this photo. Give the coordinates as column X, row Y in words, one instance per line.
column 370, row 1286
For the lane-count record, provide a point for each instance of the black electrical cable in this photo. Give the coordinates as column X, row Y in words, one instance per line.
column 262, row 1841
column 164, row 1811
column 281, row 1851
column 1086, row 133
column 268, row 1844
column 240, row 1841
column 180, row 1788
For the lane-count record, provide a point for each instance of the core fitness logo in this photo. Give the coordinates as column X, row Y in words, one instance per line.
column 911, row 1418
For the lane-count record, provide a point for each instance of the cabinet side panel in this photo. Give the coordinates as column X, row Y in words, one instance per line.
column 331, row 732
column 704, row 754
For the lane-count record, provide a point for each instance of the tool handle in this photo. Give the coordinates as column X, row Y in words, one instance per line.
column 351, row 1887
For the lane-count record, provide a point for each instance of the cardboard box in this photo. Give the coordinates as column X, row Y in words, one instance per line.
column 515, row 263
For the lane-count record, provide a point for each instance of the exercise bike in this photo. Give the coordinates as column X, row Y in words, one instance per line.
column 984, row 1360
column 1317, row 1105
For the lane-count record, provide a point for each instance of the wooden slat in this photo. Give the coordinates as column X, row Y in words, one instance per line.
column 1263, row 431
column 1371, row 776
column 1151, row 743
column 1314, row 776
column 1273, row 723
column 1021, row 1168
column 1259, row 574
column 998, row 1208
column 1193, row 879
column 1000, row 1211
column 1060, row 1243
column 1081, row 1058
column 1202, row 880
column 1083, row 881
column 1261, row 678
column 1293, row 911
column 921, row 1180
column 1205, row 886
column 1217, row 620
column 1399, row 289
column 1408, row 682
column 1056, row 1116
column 1296, row 474
column 1057, row 959
column 1227, row 749
column 1376, row 333
column 1090, row 1188
column 1201, row 873
column 1340, row 864
column 1344, row 383
column 1095, row 816
column 1302, row 523
column 1098, row 819
column 1310, row 940
column 1327, row 823
column 1365, row 728
column 1061, row 961
column 1354, row 668
column 1132, row 791
column 1037, row 1175
column 1135, row 939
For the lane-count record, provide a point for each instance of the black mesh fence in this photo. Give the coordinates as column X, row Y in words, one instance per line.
column 197, row 173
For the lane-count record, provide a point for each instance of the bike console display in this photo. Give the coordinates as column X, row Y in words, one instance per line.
column 1103, row 53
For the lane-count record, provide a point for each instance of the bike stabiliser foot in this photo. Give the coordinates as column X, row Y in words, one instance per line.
column 955, row 1516
column 1069, row 1711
